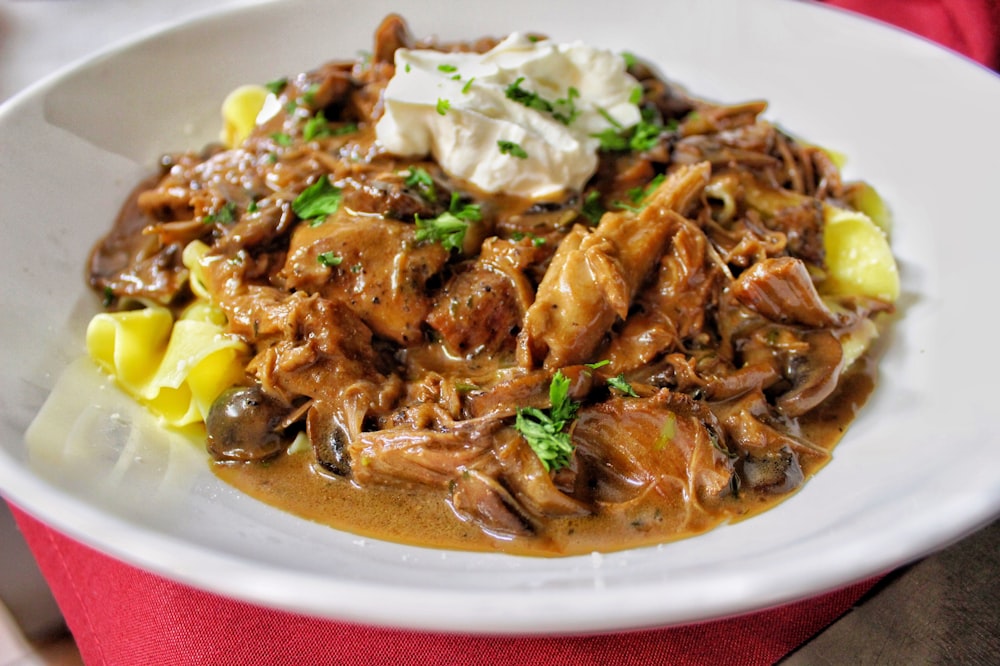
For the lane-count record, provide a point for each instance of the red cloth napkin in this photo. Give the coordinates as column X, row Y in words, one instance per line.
column 124, row 616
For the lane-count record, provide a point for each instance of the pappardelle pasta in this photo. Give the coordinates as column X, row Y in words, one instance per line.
column 504, row 294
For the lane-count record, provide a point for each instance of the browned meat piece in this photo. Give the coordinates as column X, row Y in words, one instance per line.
column 380, row 272
column 480, row 309
column 716, row 118
column 674, row 307
column 386, row 194
column 594, row 275
column 423, row 454
column 530, row 389
column 782, row 290
column 638, row 455
column 774, row 456
column 391, row 34
column 798, row 217
column 484, row 501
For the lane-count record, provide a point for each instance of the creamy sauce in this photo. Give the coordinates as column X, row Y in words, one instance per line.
column 293, row 483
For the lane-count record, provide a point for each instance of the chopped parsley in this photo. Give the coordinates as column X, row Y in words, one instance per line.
column 564, row 110
column 329, row 259
column 316, row 127
column 592, row 208
column 449, row 227
column 545, row 430
column 640, row 137
column 320, row 199
column 621, row 385
column 309, row 96
column 529, row 99
column 447, row 69
column 421, row 180
column 629, row 58
column 512, row 149
column 468, row 86
column 282, row 139
column 275, row 87
column 443, row 105
column 226, row 214
column 638, row 194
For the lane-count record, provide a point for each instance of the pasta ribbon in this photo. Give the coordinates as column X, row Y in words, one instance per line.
column 858, row 257
column 239, row 113
column 176, row 368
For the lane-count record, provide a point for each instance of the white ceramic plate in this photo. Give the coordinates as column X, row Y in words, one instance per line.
column 916, row 471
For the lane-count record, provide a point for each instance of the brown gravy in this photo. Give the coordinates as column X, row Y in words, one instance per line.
column 423, row 517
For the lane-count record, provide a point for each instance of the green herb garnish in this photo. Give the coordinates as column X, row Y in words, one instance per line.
column 621, row 385
column 275, row 87
column 545, row 430
column 592, row 208
column 564, row 110
column 512, row 149
column 329, row 259
column 449, row 227
column 226, row 214
column 443, row 105
column 639, row 137
column 316, row 127
column 282, row 139
column 529, row 99
column 320, row 199
column 423, row 182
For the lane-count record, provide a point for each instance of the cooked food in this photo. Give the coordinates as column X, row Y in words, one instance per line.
column 511, row 295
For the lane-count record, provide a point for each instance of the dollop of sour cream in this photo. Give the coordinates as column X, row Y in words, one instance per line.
column 519, row 119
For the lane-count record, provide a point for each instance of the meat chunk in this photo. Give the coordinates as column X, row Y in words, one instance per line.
column 637, row 454
column 782, row 290
column 373, row 266
column 594, row 275
column 480, row 309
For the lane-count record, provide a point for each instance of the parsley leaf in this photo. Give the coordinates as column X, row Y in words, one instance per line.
column 545, row 430
column 316, row 127
column 449, row 227
column 320, row 199
column 620, row 384
column 226, row 214
column 329, row 259
column 443, row 105
column 512, row 149
column 564, row 110
column 638, row 194
column 529, row 99
column 592, row 208
column 640, row 137
column 420, row 179
column 275, row 87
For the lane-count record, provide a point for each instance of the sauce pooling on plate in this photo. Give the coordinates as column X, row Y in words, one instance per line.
column 396, row 344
